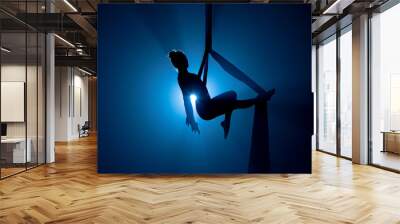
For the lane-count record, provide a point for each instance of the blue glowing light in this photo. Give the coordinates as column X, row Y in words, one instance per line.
column 193, row 99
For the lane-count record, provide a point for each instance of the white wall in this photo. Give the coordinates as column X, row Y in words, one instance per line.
column 17, row 73
column 62, row 82
column 33, row 127
column 71, row 102
column 80, row 103
column 9, row 73
column 314, row 91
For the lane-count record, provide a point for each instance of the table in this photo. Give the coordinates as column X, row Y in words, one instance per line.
column 13, row 150
column 391, row 141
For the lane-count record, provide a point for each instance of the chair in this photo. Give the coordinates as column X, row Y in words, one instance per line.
column 84, row 129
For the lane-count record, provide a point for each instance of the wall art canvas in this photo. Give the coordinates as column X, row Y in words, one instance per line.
column 204, row 88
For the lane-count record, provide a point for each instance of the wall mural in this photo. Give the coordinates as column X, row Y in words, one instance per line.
column 247, row 109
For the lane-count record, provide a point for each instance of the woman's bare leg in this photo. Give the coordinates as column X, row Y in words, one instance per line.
column 224, row 104
column 226, row 123
column 227, row 102
column 240, row 104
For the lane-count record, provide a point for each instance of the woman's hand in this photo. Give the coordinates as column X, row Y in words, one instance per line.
column 187, row 121
column 193, row 124
column 195, row 127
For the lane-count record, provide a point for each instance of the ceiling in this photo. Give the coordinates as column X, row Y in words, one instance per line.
column 75, row 23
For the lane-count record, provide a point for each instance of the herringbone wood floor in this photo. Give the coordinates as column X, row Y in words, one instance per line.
column 70, row 191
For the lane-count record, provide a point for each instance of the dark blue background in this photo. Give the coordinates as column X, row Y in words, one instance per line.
column 140, row 108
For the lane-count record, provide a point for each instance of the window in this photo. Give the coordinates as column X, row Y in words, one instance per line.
column 22, row 107
column 346, row 92
column 327, row 95
column 385, row 88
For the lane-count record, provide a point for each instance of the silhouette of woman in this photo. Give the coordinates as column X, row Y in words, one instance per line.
column 208, row 108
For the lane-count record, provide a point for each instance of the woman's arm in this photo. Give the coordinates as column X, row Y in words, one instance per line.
column 204, row 64
column 189, row 114
column 205, row 72
column 203, row 61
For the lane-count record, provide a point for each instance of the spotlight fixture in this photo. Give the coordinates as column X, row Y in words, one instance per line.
column 84, row 71
column 70, row 5
column 337, row 7
column 5, row 50
column 80, row 51
column 64, row 40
